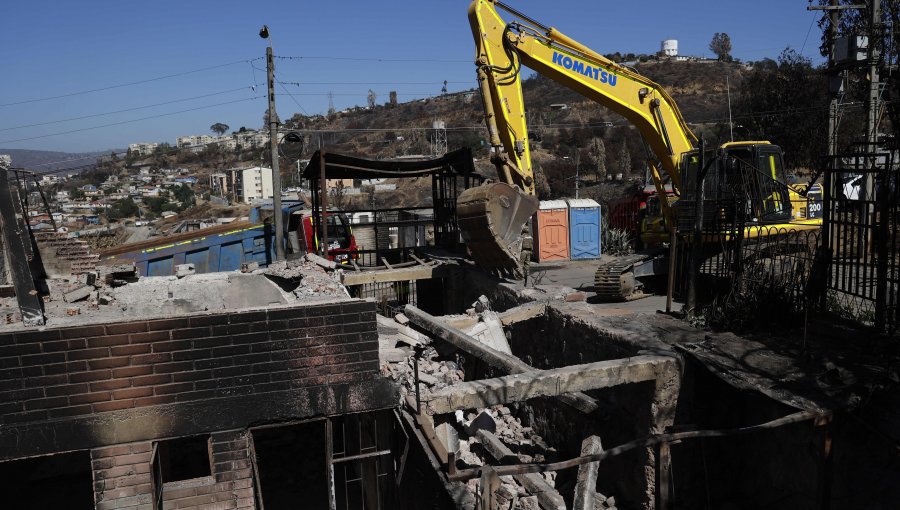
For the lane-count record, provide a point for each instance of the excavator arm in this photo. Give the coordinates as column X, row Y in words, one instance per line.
column 502, row 48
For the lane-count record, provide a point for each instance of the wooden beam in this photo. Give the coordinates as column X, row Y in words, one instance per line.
column 545, row 383
column 492, row 357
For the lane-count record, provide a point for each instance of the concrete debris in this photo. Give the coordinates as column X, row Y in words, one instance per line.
column 502, row 423
column 79, row 293
column 484, row 421
column 314, row 281
column 401, row 319
column 448, row 436
column 182, row 270
column 529, row 503
column 116, row 292
column 249, row 267
column 573, row 297
column 490, row 332
column 482, row 305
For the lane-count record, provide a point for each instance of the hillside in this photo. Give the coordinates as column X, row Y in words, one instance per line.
column 603, row 145
column 560, row 137
column 50, row 160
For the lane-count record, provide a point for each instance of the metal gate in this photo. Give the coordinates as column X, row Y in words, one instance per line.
column 861, row 237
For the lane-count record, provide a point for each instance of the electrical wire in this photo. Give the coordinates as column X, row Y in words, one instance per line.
column 292, row 98
column 301, row 83
column 129, row 121
column 373, row 59
column 139, row 82
column 70, row 119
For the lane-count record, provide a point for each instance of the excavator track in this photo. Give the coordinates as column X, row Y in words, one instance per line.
column 492, row 218
column 615, row 281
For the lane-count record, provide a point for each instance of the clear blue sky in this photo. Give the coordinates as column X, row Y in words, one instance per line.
column 55, row 48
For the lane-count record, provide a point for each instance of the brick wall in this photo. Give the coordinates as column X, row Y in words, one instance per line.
column 64, row 256
column 122, row 476
column 123, row 479
column 231, row 483
column 62, row 374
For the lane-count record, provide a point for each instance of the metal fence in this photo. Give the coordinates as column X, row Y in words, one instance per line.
column 861, row 238
column 741, row 271
column 390, row 297
column 391, row 235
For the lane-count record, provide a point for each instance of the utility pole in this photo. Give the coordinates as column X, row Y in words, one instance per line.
column 872, row 101
column 577, row 168
column 273, row 146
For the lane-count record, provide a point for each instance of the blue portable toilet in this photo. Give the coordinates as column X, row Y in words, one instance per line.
column 584, row 226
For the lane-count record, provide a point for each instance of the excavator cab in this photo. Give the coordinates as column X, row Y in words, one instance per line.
column 743, row 183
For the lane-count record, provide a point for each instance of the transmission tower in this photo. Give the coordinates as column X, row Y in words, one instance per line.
column 330, row 103
column 439, row 138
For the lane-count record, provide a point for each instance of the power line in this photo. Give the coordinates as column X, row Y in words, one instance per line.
column 128, row 109
column 300, row 83
column 293, row 98
column 130, row 121
column 110, row 87
column 373, row 59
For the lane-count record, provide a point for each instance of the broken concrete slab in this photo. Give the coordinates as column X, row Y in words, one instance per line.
column 182, row 270
column 534, row 483
column 493, row 445
column 490, row 332
column 547, row 383
column 522, row 313
column 586, row 487
column 483, row 422
column 447, row 435
column 507, row 362
column 78, row 294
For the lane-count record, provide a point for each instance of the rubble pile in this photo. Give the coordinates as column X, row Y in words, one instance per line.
column 501, row 422
column 114, row 292
column 314, row 280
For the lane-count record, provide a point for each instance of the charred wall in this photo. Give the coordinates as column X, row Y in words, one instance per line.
column 84, row 387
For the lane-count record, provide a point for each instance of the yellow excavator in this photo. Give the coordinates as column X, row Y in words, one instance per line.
column 493, row 218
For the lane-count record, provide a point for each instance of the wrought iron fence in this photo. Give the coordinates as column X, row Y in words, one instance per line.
column 861, row 237
column 390, row 297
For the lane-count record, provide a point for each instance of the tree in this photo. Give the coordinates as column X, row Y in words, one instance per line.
column 721, row 46
column 185, row 195
column 598, row 154
column 624, row 159
column 371, row 97
column 266, row 119
column 219, row 128
column 787, row 106
column 122, row 209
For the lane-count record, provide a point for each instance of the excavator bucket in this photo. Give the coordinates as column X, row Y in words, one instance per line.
column 492, row 219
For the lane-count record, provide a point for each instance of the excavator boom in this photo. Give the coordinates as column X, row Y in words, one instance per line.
column 501, row 50
column 494, row 220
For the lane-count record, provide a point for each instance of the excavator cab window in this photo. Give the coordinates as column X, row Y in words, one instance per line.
column 775, row 201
